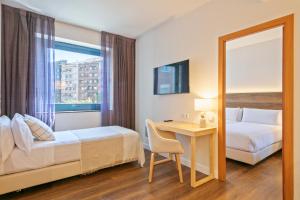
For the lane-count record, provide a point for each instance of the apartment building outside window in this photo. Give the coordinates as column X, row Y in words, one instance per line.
column 77, row 77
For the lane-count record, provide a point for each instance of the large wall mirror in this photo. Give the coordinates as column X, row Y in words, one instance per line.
column 254, row 109
column 256, row 106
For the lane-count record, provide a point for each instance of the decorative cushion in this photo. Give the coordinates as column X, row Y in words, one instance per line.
column 22, row 134
column 39, row 129
column 7, row 142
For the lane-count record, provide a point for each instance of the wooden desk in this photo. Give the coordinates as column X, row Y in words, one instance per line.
column 193, row 131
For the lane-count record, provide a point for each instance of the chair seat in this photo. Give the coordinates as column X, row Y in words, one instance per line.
column 175, row 149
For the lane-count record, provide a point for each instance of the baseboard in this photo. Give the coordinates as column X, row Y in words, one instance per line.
column 186, row 162
column 199, row 167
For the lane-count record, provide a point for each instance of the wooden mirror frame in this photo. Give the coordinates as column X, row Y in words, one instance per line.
column 287, row 23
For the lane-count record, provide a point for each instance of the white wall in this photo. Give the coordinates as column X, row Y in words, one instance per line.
column 195, row 36
column 76, row 120
column 76, row 33
column 255, row 68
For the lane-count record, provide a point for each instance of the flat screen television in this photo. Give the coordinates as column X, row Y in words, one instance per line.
column 172, row 78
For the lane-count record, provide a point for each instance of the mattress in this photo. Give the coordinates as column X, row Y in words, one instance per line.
column 65, row 148
column 251, row 137
column 253, row 158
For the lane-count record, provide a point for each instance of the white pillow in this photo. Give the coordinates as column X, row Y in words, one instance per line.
column 262, row 116
column 22, row 134
column 39, row 129
column 279, row 119
column 234, row 114
column 7, row 142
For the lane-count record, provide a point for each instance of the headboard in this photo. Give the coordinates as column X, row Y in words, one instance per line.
column 262, row 100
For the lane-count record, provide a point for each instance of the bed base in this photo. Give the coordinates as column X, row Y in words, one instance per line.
column 252, row 158
column 21, row 180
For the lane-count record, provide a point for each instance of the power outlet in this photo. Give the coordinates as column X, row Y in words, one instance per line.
column 185, row 115
column 188, row 115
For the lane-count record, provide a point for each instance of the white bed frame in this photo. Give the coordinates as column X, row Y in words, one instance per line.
column 252, row 158
column 21, row 180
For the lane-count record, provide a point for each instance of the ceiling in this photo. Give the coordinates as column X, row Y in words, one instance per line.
column 126, row 17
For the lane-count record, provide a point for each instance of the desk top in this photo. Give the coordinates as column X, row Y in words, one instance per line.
column 185, row 128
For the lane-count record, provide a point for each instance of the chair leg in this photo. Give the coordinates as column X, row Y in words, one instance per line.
column 176, row 162
column 151, row 167
column 170, row 156
column 179, row 167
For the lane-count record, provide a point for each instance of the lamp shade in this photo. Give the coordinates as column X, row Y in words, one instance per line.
column 203, row 105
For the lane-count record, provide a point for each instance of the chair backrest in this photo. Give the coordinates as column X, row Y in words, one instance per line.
column 153, row 135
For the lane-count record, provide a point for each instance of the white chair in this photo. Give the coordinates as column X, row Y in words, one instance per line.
column 163, row 142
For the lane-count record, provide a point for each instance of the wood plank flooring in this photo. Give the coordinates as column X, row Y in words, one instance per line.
column 129, row 181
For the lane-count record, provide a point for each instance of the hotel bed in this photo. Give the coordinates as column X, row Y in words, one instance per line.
column 253, row 126
column 72, row 153
column 252, row 142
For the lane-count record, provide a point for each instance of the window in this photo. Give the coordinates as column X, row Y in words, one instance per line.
column 77, row 73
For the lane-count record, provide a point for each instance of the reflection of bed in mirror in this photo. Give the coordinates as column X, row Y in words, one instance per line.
column 253, row 126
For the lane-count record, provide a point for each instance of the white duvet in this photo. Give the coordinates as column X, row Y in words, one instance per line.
column 251, row 137
column 113, row 145
column 65, row 148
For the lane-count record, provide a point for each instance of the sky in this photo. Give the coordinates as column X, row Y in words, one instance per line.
column 71, row 56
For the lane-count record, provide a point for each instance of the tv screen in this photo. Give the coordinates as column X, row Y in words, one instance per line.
column 172, row 78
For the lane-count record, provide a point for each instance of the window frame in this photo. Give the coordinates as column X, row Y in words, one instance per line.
column 77, row 107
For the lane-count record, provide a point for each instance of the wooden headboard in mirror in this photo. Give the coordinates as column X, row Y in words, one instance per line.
column 262, row 100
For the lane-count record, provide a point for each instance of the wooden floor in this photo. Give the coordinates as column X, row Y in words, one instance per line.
column 129, row 181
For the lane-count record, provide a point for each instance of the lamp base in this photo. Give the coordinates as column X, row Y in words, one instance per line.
column 202, row 123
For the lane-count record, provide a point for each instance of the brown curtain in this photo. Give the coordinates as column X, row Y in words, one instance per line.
column 14, row 61
column 27, row 64
column 118, row 80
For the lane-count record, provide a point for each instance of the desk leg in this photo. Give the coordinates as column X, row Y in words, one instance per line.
column 194, row 182
column 212, row 155
column 193, row 161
